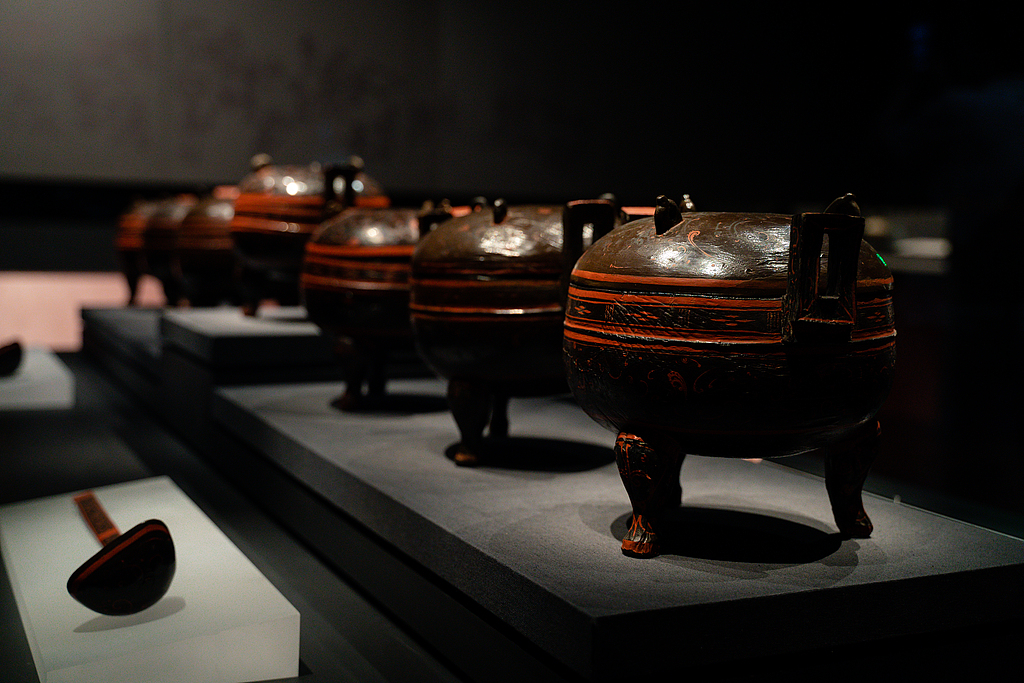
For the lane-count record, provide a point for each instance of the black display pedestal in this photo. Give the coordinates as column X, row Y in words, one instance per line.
column 126, row 343
column 516, row 567
column 512, row 571
column 173, row 358
column 207, row 348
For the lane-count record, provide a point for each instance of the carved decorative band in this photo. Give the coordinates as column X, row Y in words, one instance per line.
column 604, row 336
column 640, row 284
column 710, row 319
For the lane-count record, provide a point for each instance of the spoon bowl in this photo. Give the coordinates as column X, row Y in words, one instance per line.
column 131, row 572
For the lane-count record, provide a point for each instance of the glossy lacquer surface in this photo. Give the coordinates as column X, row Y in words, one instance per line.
column 487, row 305
column 485, row 302
column 277, row 211
column 728, row 334
column 684, row 331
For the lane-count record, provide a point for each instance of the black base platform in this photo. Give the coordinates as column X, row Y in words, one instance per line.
column 512, row 571
column 530, row 545
column 127, row 343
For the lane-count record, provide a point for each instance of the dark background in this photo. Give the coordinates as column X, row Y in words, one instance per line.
column 743, row 109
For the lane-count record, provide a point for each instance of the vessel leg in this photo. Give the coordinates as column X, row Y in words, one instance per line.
column 650, row 474
column 248, row 290
column 846, row 468
column 471, row 408
column 377, row 382
column 355, row 376
column 499, row 416
column 132, row 270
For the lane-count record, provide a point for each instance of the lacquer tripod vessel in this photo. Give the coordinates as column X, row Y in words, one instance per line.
column 735, row 335
column 205, row 250
column 277, row 210
column 487, row 304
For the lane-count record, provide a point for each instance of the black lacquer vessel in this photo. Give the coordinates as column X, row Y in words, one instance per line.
column 733, row 335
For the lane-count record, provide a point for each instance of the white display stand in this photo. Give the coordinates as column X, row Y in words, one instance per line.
column 221, row 620
column 41, row 382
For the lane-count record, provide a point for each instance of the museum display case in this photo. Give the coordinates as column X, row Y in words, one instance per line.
column 542, row 528
column 450, row 555
column 849, row 500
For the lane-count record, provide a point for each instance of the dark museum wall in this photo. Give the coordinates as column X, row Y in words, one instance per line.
column 528, row 100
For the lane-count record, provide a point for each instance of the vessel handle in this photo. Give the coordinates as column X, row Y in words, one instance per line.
column 348, row 171
column 432, row 215
column 600, row 213
column 823, row 311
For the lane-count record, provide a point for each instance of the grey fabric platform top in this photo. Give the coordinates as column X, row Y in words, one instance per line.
column 225, row 337
column 534, row 540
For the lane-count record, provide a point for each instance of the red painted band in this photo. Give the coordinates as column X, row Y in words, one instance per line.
column 612, row 339
column 640, row 281
column 669, row 300
column 518, row 315
column 483, row 284
column 360, row 252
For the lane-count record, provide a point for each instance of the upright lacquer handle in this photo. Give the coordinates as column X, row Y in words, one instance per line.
column 820, row 306
column 96, row 517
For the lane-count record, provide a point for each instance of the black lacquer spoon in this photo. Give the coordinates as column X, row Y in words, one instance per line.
column 131, row 572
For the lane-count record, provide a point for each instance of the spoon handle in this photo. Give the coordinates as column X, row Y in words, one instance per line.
column 96, row 517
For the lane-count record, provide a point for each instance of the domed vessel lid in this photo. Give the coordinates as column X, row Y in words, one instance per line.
column 368, row 227
column 495, row 236
column 132, row 224
column 163, row 224
column 312, row 180
column 713, row 250
column 286, row 180
column 218, row 206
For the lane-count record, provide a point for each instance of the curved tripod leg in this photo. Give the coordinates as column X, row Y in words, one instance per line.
column 355, row 376
column 499, row 416
column 376, row 386
column 471, row 408
column 249, row 287
column 650, row 474
column 846, row 468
